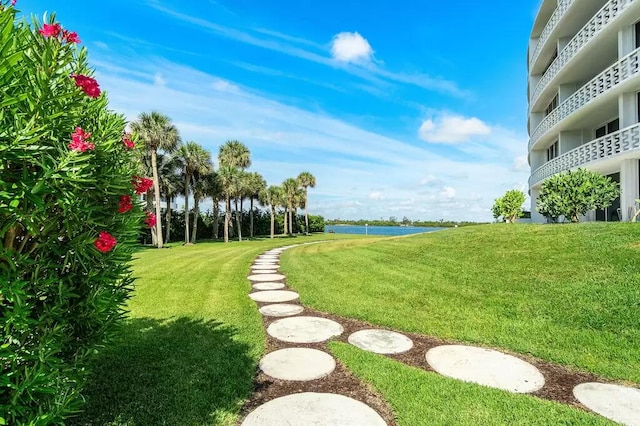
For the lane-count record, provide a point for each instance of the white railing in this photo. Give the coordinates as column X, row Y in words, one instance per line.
column 607, row 14
column 548, row 29
column 622, row 141
column 624, row 69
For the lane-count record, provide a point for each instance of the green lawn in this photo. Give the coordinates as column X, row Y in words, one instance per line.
column 188, row 353
column 567, row 293
column 419, row 397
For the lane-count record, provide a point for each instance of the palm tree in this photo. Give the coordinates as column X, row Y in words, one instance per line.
column 271, row 197
column 213, row 189
column 289, row 188
column 171, row 184
column 228, row 176
column 195, row 159
column 306, row 180
column 199, row 192
column 236, row 155
column 158, row 133
column 255, row 184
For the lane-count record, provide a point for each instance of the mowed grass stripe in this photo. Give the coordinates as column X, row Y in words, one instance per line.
column 567, row 293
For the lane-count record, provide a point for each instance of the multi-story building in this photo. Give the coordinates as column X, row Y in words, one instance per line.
column 584, row 92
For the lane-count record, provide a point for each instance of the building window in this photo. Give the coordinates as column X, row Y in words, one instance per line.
column 637, row 34
column 553, row 58
column 610, row 127
column 552, row 105
column 552, row 151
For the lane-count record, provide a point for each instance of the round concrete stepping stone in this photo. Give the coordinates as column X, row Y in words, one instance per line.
column 304, row 329
column 274, row 296
column 266, row 277
column 268, row 257
column 268, row 286
column 485, row 367
column 264, row 267
column 299, row 364
column 263, row 271
column 381, row 341
column 310, row 408
column 618, row 403
column 265, row 262
column 280, row 309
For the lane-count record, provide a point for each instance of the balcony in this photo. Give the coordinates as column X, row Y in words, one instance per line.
column 612, row 10
column 620, row 142
column 613, row 77
column 548, row 30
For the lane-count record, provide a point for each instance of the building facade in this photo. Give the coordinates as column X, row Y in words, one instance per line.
column 584, row 96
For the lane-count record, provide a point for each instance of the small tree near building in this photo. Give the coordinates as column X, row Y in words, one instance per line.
column 573, row 193
column 509, row 206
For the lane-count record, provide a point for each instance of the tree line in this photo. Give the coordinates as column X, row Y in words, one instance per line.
column 187, row 169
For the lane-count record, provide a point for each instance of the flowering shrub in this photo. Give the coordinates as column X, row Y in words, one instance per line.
column 68, row 222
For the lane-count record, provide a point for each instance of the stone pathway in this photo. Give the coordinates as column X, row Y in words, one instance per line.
column 485, row 367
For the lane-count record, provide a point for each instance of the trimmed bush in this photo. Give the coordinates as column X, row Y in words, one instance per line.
column 68, row 220
column 509, row 206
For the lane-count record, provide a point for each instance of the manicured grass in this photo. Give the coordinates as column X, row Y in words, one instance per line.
column 419, row 397
column 566, row 293
column 188, row 353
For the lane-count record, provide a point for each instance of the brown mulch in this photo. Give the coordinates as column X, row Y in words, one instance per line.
column 559, row 380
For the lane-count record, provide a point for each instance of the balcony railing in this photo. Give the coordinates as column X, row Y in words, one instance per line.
column 607, row 14
column 619, row 142
column 626, row 68
column 548, row 29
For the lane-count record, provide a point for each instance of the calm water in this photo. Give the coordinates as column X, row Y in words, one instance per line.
column 378, row 230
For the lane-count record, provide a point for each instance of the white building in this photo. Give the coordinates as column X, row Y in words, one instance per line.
column 584, row 91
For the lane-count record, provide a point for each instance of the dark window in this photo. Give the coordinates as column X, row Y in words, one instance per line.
column 552, row 105
column 601, row 131
column 552, row 151
column 553, row 58
column 637, row 34
column 610, row 127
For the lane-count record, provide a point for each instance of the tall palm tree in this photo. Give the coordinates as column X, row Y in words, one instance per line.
column 234, row 154
column 306, row 180
column 289, row 188
column 195, row 159
column 228, row 176
column 199, row 192
column 271, row 197
column 255, row 184
column 213, row 189
column 158, row 133
column 171, row 185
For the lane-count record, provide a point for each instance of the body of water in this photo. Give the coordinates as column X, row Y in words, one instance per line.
column 378, row 230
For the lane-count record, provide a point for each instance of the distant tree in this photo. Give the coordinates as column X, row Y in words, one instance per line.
column 393, row 219
column 236, row 155
column 406, row 220
column 255, row 183
column 573, row 193
column 194, row 159
column 509, row 206
column 290, row 189
column 271, row 197
column 306, row 180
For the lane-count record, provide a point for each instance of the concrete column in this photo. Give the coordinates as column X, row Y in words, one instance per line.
column 569, row 140
column 626, row 41
column 629, row 187
column 535, row 216
column 537, row 158
column 627, row 109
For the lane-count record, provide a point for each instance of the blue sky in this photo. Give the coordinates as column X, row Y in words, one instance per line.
column 399, row 108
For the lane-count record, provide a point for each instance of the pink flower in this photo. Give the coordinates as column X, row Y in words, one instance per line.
column 50, row 30
column 151, row 220
column 127, row 142
column 70, row 37
column 13, row 2
column 105, row 242
column 79, row 141
column 89, row 85
column 125, row 204
column 141, row 184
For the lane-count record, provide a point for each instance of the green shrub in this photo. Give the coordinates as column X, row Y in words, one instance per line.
column 65, row 178
column 509, row 206
column 573, row 193
column 316, row 223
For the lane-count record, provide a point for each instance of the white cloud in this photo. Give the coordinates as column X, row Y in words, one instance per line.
column 448, row 193
column 101, row 45
column 429, row 181
column 521, row 164
column 376, row 195
column 224, row 86
column 452, row 129
column 158, row 80
column 351, row 47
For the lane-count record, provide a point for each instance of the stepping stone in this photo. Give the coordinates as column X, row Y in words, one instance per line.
column 268, row 286
column 485, row 367
column 274, row 296
column 264, row 267
column 299, row 364
column 266, row 277
column 618, row 403
column 280, row 310
column 310, row 408
column 304, row 329
column 263, row 271
column 266, row 262
column 381, row 341
column 268, row 257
